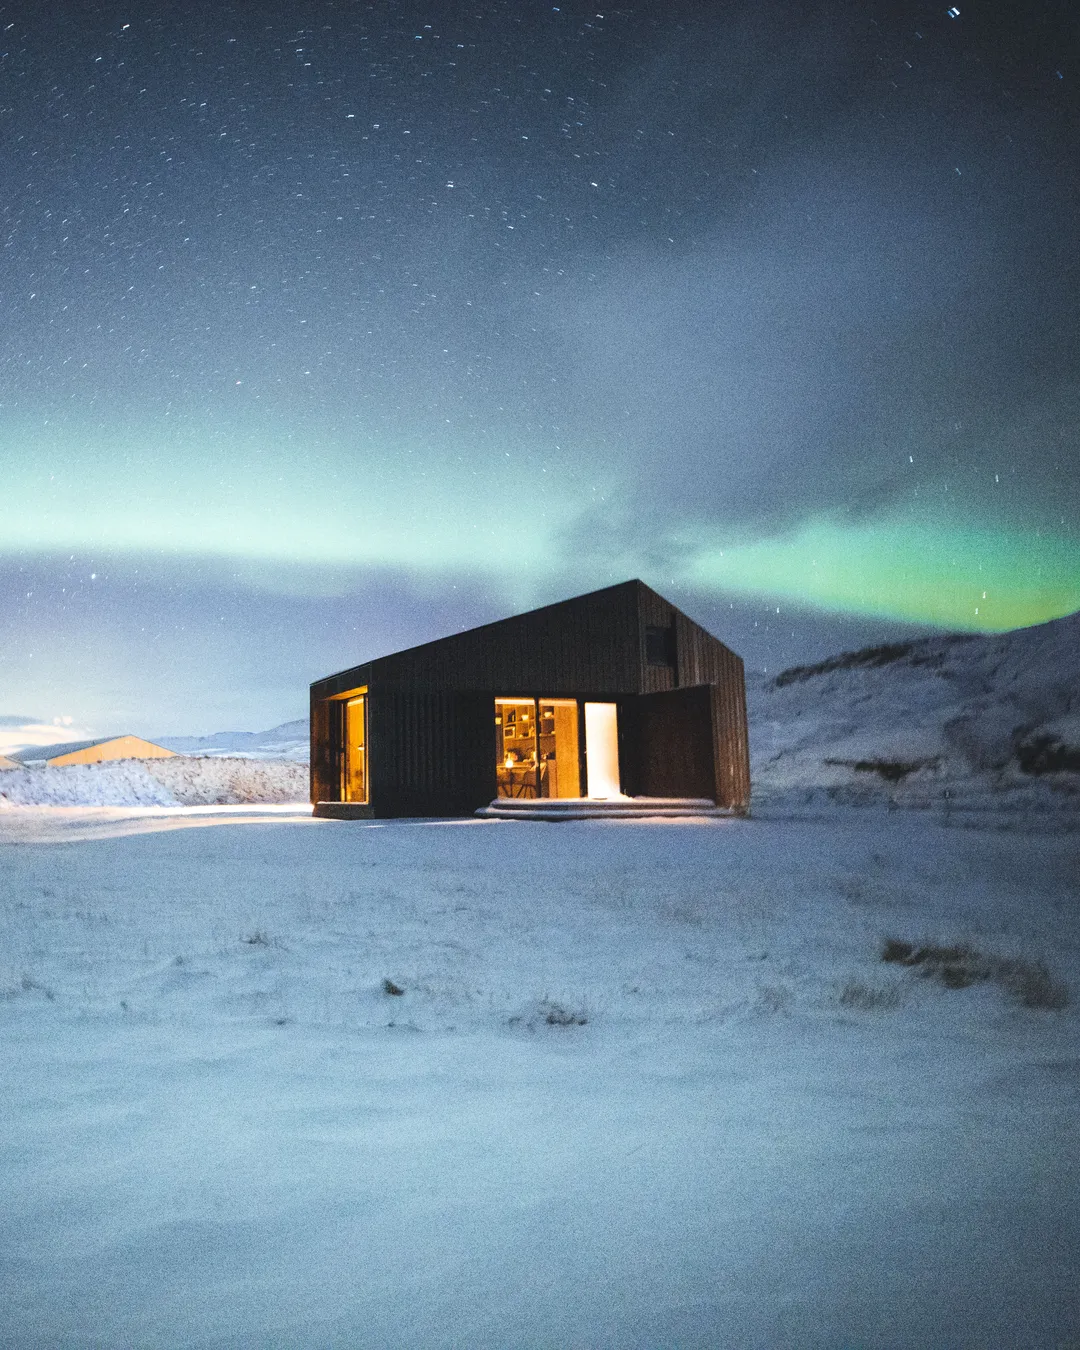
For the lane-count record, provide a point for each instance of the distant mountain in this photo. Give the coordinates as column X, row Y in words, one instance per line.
column 948, row 721
column 288, row 741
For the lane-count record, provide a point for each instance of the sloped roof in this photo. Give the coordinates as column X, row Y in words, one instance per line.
column 590, row 644
column 32, row 753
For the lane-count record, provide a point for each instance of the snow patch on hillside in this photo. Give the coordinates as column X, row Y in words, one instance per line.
column 290, row 740
column 956, row 722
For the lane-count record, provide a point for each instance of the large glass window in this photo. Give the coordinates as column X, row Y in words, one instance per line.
column 536, row 747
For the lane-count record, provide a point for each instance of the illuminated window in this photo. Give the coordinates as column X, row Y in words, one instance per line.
column 536, row 747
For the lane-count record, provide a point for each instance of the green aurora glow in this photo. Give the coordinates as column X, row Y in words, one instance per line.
column 327, row 335
column 267, row 501
column 953, row 575
column 261, row 504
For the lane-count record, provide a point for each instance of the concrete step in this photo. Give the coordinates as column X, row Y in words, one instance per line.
column 589, row 808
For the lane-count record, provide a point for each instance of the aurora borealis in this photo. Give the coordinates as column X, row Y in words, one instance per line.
column 330, row 327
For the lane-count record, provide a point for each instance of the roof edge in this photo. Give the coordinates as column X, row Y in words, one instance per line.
column 493, row 623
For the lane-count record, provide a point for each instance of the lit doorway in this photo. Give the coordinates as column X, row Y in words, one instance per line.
column 602, row 750
column 536, row 747
column 354, row 767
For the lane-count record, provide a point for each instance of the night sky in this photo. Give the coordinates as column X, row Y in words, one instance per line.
column 332, row 327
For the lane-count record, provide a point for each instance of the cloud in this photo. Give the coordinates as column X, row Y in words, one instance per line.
column 790, row 369
column 22, row 734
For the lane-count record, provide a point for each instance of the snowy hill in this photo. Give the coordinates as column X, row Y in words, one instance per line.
column 287, row 741
column 956, row 721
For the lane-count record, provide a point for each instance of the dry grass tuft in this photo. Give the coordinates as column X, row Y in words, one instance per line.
column 865, row 998
column 960, row 966
column 1033, row 985
column 555, row 1015
column 775, row 998
column 892, row 770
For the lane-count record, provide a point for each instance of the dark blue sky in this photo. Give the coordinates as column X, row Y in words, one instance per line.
column 332, row 327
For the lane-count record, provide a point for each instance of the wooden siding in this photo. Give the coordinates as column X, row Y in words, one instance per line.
column 669, row 744
column 591, row 643
column 655, row 612
column 432, row 753
column 325, row 748
column 731, row 753
column 356, row 677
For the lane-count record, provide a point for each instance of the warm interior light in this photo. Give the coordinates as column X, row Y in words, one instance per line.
column 602, row 750
column 537, row 747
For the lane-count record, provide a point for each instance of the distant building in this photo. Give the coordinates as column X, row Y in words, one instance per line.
column 91, row 752
column 608, row 695
column 6, row 763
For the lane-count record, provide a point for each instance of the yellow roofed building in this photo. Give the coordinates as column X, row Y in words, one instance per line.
column 91, row 752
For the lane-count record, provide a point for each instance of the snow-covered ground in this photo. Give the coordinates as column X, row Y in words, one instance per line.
column 272, row 1081
column 644, row 1084
column 181, row 781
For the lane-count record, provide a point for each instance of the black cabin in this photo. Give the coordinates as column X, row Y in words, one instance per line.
column 615, row 692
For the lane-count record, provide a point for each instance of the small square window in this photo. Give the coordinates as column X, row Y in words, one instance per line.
column 659, row 646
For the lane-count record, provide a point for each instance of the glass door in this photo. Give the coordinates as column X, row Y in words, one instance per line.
column 536, row 747
column 515, row 747
column 558, row 741
column 354, row 768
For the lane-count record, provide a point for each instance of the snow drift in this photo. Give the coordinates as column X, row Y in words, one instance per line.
column 183, row 781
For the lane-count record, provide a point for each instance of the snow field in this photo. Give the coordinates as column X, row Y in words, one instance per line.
column 621, row 1103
